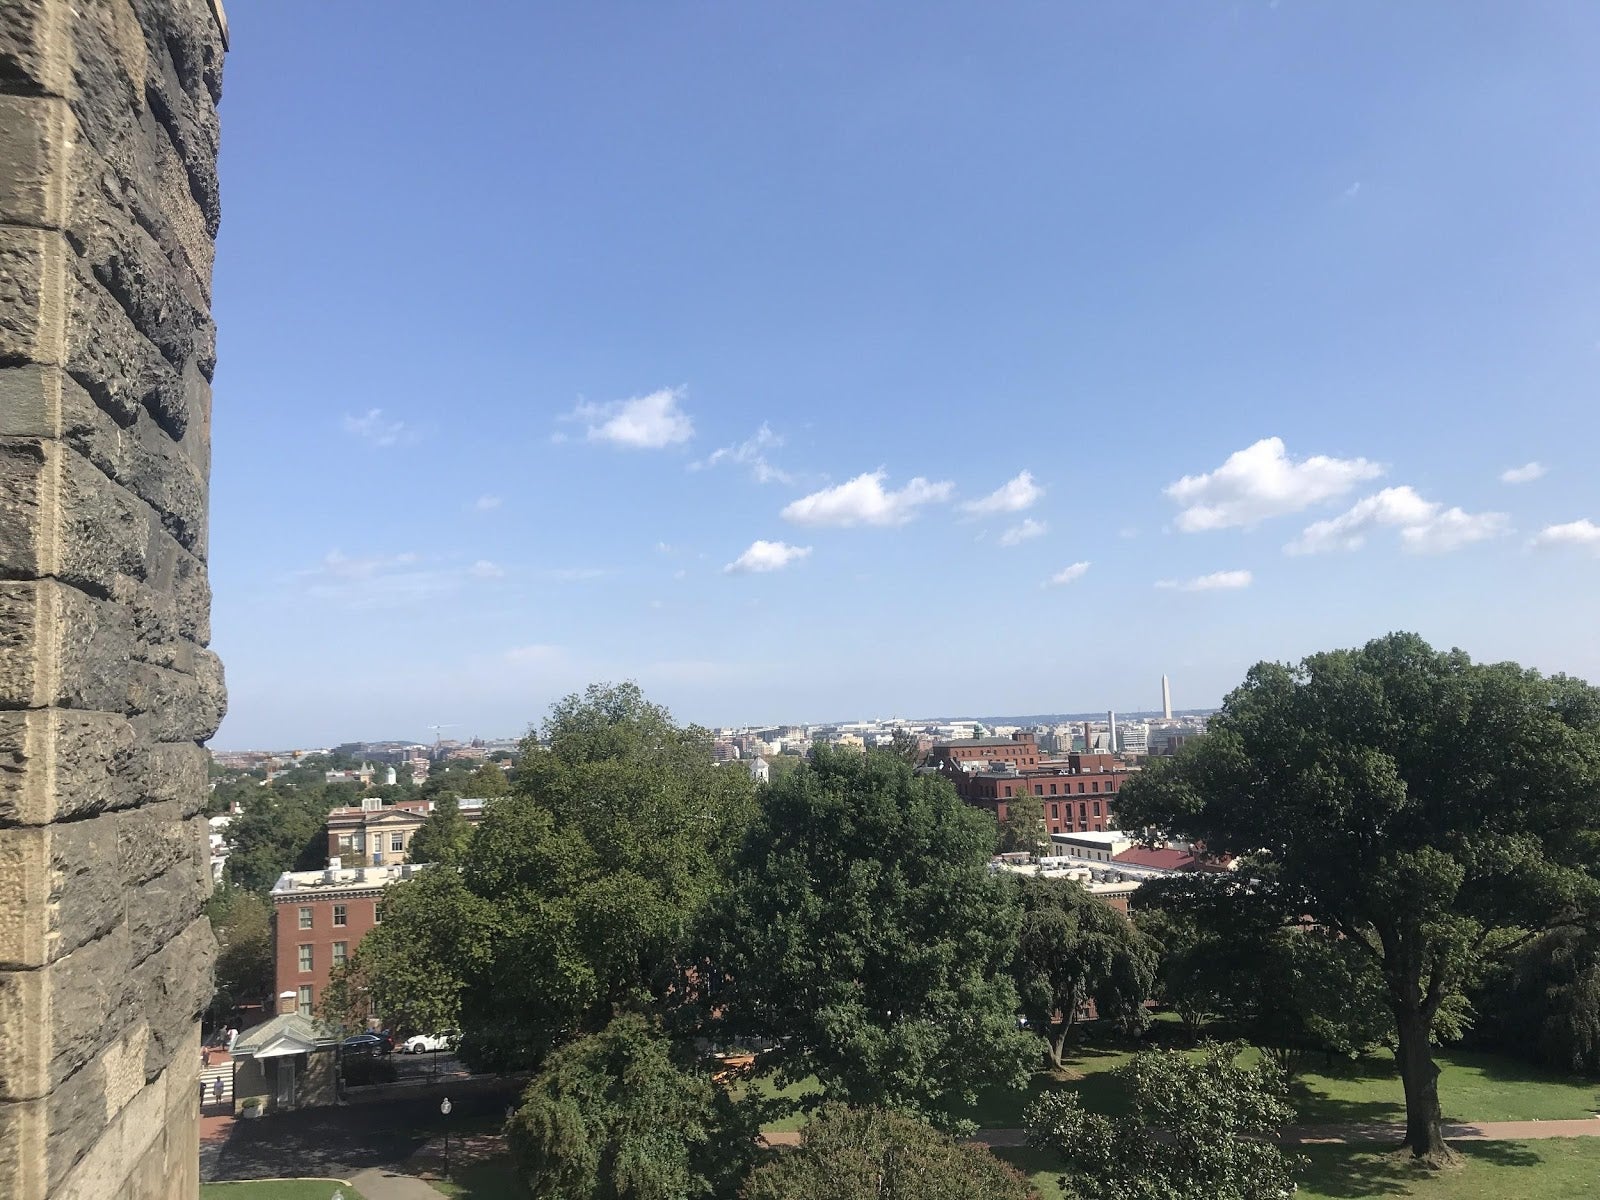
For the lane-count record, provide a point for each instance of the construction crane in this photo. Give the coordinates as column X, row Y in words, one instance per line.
column 437, row 737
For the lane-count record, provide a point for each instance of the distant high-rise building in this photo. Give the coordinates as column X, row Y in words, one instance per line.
column 1166, row 699
column 1111, row 731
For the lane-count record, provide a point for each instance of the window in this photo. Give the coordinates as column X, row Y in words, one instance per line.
column 305, row 918
column 1083, row 811
column 1094, row 785
column 1052, row 789
column 1055, row 812
column 339, row 910
column 1038, row 789
column 341, row 951
column 377, row 914
column 1006, row 791
column 377, row 843
column 1097, row 808
column 305, row 958
column 305, row 1000
column 1080, row 786
column 397, row 841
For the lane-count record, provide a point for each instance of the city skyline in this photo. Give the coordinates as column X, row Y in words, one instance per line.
column 996, row 359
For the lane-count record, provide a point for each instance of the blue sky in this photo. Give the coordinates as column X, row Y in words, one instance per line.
column 784, row 356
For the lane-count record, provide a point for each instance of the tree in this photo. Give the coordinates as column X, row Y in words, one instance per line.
column 865, row 935
column 417, row 963
column 1544, row 1003
column 905, row 745
column 1434, row 812
column 1023, row 828
column 281, row 829
column 878, row 1154
column 1196, row 1129
column 242, row 922
column 489, row 781
column 443, row 837
column 582, row 888
column 614, row 1114
column 1073, row 948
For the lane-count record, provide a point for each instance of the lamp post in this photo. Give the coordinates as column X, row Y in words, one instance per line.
column 444, row 1109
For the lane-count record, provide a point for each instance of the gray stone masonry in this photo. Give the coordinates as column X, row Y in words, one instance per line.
column 108, row 212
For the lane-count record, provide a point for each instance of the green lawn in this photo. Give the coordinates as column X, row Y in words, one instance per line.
column 1558, row 1169
column 278, row 1189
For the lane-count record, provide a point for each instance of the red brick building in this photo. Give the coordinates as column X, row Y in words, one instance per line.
column 1076, row 792
column 319, row 918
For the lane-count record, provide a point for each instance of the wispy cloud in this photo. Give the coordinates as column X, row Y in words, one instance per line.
column 1526, row 473
column 766, row 556
column 1069, row 574
column 486, row 503
column 372, row 426
column 650, row 422
column 573, row 574
column 1425, row 527
column 1217, row 581
column 1015, row 495
column 1582, row 533
column 864, row 501
column 484, row 569
column 1024, row 531
column 1262, row 481
column 750, row 453
column 537, row 655
column 382, row 581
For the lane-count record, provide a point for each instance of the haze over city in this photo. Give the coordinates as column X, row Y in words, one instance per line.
column 813, row 363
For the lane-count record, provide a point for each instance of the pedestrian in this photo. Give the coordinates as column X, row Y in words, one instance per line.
column 202, row 1093
column 233, row 1035
column 216, row 1090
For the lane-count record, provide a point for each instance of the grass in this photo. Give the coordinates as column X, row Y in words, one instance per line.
column 278, row 1189
column 1557, row 1169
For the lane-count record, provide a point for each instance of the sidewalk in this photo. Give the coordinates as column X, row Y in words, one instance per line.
column 380, row 1183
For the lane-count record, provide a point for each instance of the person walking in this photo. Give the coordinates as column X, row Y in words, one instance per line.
column 216, row 1090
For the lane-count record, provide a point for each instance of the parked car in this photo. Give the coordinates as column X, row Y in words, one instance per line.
column 362, row 1045
column 387, row 1038
column 426, row 1042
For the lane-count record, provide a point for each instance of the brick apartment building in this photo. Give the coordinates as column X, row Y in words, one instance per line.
column 319, row 918
column 376, row 834
column 1076, row 791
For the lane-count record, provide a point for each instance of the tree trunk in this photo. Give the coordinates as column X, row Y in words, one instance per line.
column 1058, row 1044
column 1420, row 1076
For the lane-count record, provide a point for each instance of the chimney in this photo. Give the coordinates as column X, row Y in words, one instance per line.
column 1111, row 735
column 288, row 1002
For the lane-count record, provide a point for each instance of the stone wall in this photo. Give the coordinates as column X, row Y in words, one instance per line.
column 108, row 210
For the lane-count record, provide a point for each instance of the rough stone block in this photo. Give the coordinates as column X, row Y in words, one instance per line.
column 57, row 763
column 113, row 360
column 34, row 141
column 59, row 646
column 174, row 773
column 59, row 888
column 26, row 507
column 174, row 985
column 33, row 270
column 35, row 48
column 151, row 841
column 172, row 706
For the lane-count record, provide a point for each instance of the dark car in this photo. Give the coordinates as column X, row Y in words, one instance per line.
column 386, row 1039
column 362, row 1045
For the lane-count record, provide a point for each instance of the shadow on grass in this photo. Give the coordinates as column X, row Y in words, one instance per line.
column 486, row 1179
column 1351, row 1172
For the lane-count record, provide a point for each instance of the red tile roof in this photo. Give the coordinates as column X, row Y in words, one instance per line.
column 1164, row 860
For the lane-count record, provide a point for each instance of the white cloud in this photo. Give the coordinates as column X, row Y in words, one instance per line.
column 1262, row 481
column 376, row 581
column 371, row 426
column 650, row 422
column 1024, row 531
column 484, row 569
column 1582, row 533
column 1526, row 473
column 1015, row 495
column 863, row 501
column 573, row 574
column 767, row 556
column 1070, row 574
column 750, row 453
column 486, row 503
column 1425, row 527
column 1217, row 581
column 534, row 655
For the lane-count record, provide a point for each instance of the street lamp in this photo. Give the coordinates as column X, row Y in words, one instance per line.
column 444, row 1109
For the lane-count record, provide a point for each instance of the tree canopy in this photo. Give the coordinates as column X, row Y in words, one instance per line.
column 1196, row 1129
column 1073, row 948
column 444, row 835
column 864, row 928
column 1433, row 811
column 242, row 922
column 614, row 1115
column 1024, row 827
column 878, row 1154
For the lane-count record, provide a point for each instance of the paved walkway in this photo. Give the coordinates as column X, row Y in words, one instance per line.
column 380, row 1183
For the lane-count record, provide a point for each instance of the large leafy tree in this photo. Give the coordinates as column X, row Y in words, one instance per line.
column 878, row 1154
column 1544, row 1004
column 444, row 835
column 617, row 1114
column 1196, row 1129
column 1073, row 948
column 416, row 964
column 866, row 937
column 1433, row 811
column 1024, row 827
column 242, row 922
column 582, row 887
column 282, row 828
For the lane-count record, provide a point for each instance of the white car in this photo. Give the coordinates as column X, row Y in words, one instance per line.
column 424, row 1042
